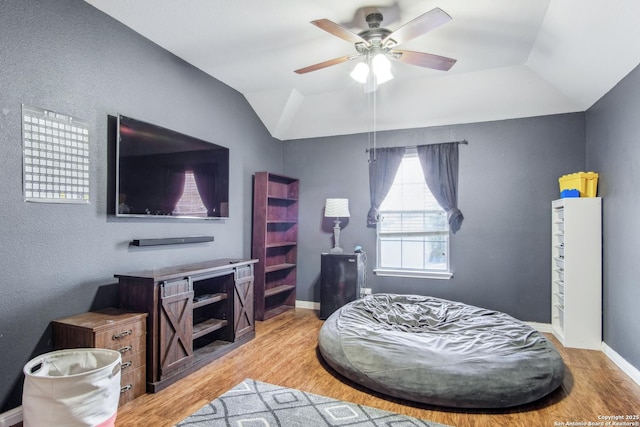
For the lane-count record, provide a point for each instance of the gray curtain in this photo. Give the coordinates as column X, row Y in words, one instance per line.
column 383, row 166
column 205, row 177
column 440, row 167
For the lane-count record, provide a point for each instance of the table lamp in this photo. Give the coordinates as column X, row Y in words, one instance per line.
column 336, row 208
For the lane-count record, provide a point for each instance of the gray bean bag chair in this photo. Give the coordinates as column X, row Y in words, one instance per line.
column 440, row 352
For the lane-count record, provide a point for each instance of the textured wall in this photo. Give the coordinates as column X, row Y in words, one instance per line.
column 614, row 152
column 501, row 257
column 59, row 260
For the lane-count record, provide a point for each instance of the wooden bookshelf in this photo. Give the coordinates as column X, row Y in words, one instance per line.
column 275, row 243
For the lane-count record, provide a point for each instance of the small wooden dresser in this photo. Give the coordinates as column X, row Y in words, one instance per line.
column 113, row 329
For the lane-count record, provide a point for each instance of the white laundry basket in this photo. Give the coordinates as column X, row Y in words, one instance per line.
column 77, row 387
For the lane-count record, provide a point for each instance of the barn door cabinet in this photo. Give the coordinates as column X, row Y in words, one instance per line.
column 196, row 313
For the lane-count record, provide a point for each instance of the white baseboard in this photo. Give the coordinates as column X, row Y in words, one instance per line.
column 626, row 367
column 541, row 327
column 312, row 305
column 11, row 417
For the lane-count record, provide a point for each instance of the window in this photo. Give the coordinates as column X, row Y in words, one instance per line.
column 190, row 203
column 413, row 232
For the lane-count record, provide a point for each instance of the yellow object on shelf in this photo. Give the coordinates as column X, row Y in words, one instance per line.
column 585, row 182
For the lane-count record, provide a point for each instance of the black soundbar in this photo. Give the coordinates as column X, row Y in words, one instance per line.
column 171, row 241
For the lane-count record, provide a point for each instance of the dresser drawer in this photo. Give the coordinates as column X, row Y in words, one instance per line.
column 132, row 360
column 132, row 384
column 122, row 335
column 129, row 344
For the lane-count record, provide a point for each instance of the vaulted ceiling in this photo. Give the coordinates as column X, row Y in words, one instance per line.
column 514, row 58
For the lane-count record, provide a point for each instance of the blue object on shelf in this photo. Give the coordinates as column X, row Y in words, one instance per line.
column 569, row 193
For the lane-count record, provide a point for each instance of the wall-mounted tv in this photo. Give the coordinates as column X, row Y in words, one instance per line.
column 164, row 173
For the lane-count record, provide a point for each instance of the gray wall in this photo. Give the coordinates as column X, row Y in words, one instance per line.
column 508, row 177
column 59, row 260
column 613, row 150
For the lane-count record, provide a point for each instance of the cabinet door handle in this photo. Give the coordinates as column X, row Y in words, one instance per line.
column 122, row 335
column 123, row 350
column 125, row 388
column 125, row 365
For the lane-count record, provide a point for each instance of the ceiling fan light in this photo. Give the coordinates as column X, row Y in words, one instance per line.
column 360, row 73
column 383, row 76
column 380, row 63
column 381, row 68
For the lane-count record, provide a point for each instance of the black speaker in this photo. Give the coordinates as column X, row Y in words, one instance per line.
column 341, row 277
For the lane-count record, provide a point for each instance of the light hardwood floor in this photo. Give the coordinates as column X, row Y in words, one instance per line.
column 284, row 352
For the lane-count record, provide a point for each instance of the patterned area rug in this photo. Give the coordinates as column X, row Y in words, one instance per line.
column 256, row 404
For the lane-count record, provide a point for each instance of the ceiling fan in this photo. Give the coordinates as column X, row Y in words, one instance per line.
column 377, row 44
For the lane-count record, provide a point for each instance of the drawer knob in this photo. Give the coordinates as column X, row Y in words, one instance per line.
column 123, row 350
column 125, row 365
column 122, row 334
column 125, row 388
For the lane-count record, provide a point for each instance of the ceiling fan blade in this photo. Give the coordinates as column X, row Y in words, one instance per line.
column 325, row 64
column 422, row 59
column 419, row 26
column 339, row 31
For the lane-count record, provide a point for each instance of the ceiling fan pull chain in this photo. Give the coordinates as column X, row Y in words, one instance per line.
column 375, row 118
column 369, row 151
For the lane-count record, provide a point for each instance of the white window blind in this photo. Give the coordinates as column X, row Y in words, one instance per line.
column 413, row 233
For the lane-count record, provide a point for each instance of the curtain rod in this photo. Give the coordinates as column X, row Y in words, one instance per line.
column 463, row 142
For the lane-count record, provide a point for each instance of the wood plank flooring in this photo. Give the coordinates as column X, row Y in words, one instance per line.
column 284, row 352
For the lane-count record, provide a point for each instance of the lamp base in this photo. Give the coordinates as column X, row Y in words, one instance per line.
column 336, row 238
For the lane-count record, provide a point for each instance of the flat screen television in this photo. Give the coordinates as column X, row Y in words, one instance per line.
column 164, row 173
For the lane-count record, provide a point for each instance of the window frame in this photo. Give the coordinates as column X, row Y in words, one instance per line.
column 410, row 272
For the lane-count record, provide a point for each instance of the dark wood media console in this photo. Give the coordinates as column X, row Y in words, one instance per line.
column 196, row 313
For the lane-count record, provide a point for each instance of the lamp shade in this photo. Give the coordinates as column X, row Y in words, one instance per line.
column 360, row 73
column 337, row 208
column 381, row 68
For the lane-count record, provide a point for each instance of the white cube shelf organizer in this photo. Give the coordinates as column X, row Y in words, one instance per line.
column 576, row 277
